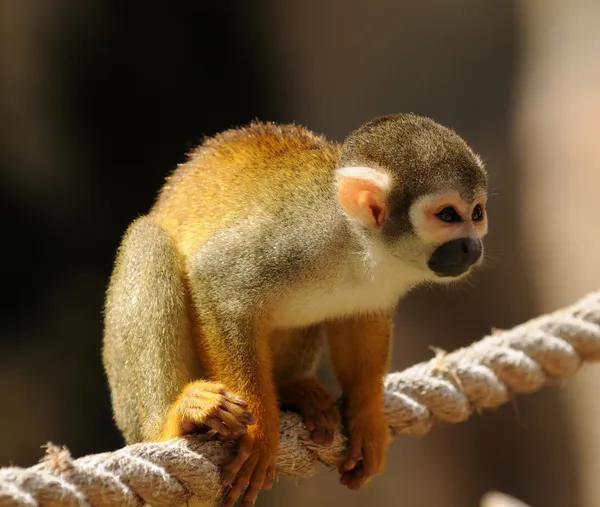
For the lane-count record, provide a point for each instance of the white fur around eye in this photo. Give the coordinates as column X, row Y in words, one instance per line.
column 416, row 213
column 377, row 176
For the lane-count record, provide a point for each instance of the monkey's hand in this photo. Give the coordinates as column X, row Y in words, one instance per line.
column 208, row 407
column 253, row 468
column 315, row 404
column 369, row 437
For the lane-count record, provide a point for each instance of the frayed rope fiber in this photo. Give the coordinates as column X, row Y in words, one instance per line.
column 449, row 388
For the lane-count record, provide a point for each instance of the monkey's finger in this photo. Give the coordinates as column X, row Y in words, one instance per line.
column 355, row 478
column 322, row 435
column 199, row 418
column 353, row 456
column 373, row 452
column 319, row 436
column 374, row 455
column 327, row 437
column 242, row 480
column 269, row 477
column 221, row 390
column 310, row 425
column 250, row 496
column 349, row 464
column 309, row 418
column 242, row 415
column 257, row 480
column 195, row 419
column 244, row 451
column 217, row 425
column 237, row 400
column 234, row 425
column 233, row 494
column 328, row 425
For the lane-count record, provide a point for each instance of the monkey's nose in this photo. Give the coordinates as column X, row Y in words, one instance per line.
column 471, row 248
column 455, row 257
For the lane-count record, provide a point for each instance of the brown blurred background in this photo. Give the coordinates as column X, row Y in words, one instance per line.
column 99, row 99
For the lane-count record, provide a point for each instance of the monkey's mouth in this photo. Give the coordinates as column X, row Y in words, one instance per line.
column 450, row 271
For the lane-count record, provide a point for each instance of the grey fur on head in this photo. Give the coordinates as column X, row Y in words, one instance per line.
column 421, row 156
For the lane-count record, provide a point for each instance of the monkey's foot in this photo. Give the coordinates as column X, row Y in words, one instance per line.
column 317, row 407
column 208, row 407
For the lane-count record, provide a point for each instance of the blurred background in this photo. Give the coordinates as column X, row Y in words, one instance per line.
column 100, row 99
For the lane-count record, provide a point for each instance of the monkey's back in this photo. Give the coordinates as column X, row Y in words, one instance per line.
column 253, row 171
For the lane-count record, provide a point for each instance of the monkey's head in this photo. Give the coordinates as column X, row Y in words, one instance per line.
column 416, row 191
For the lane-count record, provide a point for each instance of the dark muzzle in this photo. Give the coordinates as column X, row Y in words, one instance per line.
column 455, row 257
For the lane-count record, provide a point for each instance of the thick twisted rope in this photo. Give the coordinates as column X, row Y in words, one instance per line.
column 449, row 387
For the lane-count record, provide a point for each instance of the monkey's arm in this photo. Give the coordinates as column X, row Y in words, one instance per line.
column 230, row 291
column 360, row 348
column 240, row 359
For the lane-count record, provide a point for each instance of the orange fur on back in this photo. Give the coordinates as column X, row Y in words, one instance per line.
column 263, row 162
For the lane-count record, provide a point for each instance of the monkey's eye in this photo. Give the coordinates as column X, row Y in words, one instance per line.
column 477, row 214
column 449, row 214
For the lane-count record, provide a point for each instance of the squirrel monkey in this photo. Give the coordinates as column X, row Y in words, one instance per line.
column 266, row 242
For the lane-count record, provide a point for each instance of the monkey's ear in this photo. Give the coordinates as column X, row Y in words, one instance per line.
column 363, row 193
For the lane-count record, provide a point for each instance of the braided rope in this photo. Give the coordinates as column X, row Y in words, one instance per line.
column 449, row 388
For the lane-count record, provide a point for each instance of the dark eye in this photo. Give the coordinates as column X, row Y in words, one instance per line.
column 449, row 214
column 477, row 214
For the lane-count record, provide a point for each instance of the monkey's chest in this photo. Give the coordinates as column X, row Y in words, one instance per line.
column 311, row 305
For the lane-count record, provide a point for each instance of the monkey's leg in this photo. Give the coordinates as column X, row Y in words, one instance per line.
column 148, row 352
column 360, row 348
column 296, row 355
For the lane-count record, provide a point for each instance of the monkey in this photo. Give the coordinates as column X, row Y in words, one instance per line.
column 267, row 243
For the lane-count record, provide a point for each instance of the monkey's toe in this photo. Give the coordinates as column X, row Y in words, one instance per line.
column 356, row 477
column 317, row 407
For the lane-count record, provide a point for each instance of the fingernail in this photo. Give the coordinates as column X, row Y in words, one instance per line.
column 239, row 401
column 226, row 478
column 350, row 464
